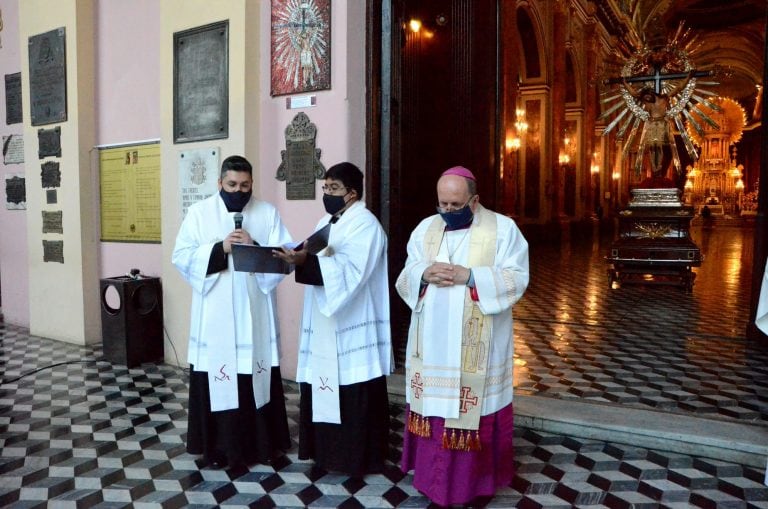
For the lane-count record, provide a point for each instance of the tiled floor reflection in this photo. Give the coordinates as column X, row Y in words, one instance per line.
column 77, row 431
column 652, row 346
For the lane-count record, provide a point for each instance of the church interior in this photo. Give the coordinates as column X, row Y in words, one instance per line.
column 625, row 139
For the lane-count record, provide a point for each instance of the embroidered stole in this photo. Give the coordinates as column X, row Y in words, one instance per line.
column 222, row 345
column 324, row 366
column 465, row 383
column 222, row 357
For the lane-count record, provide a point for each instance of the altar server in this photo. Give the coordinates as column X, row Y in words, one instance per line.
column 345, row 349
column 466, row 268
column 237, row 411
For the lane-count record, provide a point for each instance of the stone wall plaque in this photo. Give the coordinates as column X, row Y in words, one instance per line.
column 13, row 109
column 50, row 174
column 15, row 192
column 49, row 142
column 13, row 149
column 198, row 175
column 52, row 221
column 300, row 165
column 48, row 77
column 201, row 83
column 51, row 196
column 53, row 251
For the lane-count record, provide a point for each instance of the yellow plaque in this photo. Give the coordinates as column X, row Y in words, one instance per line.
column 130, row 193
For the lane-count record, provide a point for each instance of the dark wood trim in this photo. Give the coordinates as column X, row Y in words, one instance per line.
column 761, row 221
column 373, row 177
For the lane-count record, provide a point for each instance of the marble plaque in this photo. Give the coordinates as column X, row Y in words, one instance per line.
column 13, row 109
column 198, row 175
column 300, row 165
column 52, row 221
column 50, row 174
column 51, row 196
column 15, row 192
column 201, row 83
column 48, row 77
column 13, row 149
column 53, row 251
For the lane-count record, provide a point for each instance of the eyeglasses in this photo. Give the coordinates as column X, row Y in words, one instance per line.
column 332, row 188
column 451, row 208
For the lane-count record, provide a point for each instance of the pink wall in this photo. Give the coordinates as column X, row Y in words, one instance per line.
column 14, row 271
column 128, row 103
column 340, row 119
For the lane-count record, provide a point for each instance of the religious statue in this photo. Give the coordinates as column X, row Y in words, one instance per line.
column 657, row 135
column 672, row 93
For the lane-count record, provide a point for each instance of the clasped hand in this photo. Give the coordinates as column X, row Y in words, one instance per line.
column 238, row 236
column 446, row 274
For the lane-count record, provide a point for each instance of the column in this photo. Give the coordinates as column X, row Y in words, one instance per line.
column 62, row 222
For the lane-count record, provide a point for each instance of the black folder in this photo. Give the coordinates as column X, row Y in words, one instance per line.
column 253, row 258
column 318, row 240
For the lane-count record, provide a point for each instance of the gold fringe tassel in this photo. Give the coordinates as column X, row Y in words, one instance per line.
column 419, row 425
column 456, row 440
column 461, row 440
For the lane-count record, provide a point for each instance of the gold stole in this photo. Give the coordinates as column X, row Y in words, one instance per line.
column 461, row 433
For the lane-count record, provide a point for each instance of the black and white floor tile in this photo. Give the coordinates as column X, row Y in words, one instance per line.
column 77, row 431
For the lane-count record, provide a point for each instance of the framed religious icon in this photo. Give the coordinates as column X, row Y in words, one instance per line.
column 301, row 46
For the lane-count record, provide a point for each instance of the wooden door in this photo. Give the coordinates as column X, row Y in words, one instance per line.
column 443, row 113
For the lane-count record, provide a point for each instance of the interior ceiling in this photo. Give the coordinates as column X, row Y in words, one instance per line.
column 731, row 34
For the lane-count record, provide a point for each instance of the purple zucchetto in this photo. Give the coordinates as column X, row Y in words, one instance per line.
column 460, row 171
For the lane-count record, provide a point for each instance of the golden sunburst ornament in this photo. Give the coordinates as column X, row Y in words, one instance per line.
column 730, row 118
column 659, row 89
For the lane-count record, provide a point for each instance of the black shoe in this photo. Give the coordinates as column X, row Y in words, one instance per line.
column 215, row 462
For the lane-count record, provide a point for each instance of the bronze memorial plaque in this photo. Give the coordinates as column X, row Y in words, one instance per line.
column 300, row 165
column 15, row 190
column 201, row 83
column 53, row 251
column 50, row 174
column 52, row 221
column 49, row 142
column 48, row 77
column 13, row 98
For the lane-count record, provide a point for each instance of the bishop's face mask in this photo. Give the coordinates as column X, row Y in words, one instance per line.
column 235, row 200
column 459, row 218
column 333, row 203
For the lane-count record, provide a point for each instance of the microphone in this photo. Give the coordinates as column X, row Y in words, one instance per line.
column 238, row 220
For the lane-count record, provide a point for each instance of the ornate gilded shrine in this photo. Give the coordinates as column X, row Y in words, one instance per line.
column 716, row 179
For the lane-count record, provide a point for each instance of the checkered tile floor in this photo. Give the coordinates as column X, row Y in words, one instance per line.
column 77, row 431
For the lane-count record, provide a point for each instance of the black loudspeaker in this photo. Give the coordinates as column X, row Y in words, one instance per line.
column 132, row 331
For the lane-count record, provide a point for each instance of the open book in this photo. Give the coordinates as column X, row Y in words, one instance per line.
column 253, row 258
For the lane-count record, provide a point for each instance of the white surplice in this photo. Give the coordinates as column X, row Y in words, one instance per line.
column 233, row 313
column 345, row 334
column 761, row 320
column 436, row 318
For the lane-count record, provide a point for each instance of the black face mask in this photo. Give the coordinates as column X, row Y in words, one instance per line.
column 236, row 200
column 457, row 218
column 333, row 203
